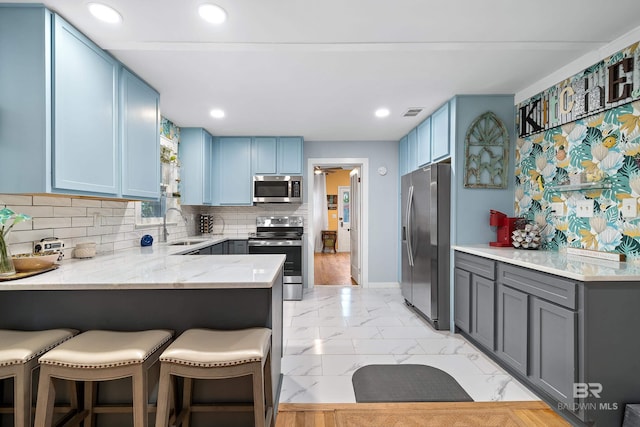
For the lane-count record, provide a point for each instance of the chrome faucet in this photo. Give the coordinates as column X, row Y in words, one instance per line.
column 165, row 233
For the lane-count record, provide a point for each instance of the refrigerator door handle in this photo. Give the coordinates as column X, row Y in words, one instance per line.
column 410, row 226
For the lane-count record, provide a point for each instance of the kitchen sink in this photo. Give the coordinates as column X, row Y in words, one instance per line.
column 186, row 242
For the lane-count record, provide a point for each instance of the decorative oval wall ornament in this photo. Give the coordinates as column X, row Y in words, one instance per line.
column 486, row 156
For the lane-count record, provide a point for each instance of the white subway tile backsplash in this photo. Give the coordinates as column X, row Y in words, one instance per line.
column 16, row 199
column 28, row 236
column 82, row 221
column 87, row 203
column 33, row 211
column 114, row 204
column 99, row 230
column 63, row 233
column 40, row 223
column 67, row 211
column 51, row 201
column 102, row 212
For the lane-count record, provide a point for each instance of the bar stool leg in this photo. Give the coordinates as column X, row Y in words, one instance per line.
column 258, row 396
column 140, row 398
column 186, row 401
column 162, row 414
column 269, row 390
column 46, row 399
column 90, row 392
column 22, row 397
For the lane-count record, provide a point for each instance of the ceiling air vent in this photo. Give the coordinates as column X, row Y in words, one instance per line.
column 412, row 112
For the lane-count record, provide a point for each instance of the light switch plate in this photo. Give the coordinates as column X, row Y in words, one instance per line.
column 630, row 207
column 584, row 208
column 557, row 209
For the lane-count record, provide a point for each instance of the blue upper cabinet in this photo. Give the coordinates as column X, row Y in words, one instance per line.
column 25, row 100
column 277, row 155
column 403, row 156
column 140, row 139
column 440, row 147
column 412, row 147
column 85, row 93
column 264, row 155
column 424, row 142
column 290, row 155
column 234, row 173
column 198, row 160
column 67, row 121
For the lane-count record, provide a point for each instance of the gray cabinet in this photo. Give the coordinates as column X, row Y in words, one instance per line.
column 483, row 297
column 237, row 247
column 553, row 349
column 462, row 299
column 553, row 332
column 512, row 328
column 217, row 249
column 474, row 297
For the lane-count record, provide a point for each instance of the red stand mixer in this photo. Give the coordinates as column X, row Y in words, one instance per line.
column 505, row 225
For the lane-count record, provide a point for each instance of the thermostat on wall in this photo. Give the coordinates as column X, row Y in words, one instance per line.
column 382, row 170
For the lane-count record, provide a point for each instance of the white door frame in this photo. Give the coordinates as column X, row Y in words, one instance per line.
column 344, row 233
column 364, row 213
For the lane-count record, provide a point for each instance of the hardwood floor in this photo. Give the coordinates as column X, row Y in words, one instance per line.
column 332, row 268
column 432, row 414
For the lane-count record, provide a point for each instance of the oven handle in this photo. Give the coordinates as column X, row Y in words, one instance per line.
column 275, row 243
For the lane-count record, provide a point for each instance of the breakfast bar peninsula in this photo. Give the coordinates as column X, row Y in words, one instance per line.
column 153, row 288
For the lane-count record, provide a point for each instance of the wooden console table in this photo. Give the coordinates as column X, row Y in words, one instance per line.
column 329, row 238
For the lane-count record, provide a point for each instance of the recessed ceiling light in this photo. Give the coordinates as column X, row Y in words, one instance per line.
column 217, row 113
column 382, row 112
column 212, row 13
column 105, row 13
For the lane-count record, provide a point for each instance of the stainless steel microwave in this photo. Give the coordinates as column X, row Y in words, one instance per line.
column 277, row 189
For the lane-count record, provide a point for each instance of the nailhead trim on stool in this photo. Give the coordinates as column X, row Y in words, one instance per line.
column 100, row 356
column 19, row 351
column 215, row 354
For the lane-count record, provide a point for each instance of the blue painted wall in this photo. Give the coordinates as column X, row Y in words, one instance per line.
column 471, row 205
column 383, row 198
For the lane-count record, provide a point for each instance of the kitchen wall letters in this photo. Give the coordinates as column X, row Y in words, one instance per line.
column 611, row 82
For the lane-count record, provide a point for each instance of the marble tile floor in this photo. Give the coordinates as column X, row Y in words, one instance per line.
column 335, row 330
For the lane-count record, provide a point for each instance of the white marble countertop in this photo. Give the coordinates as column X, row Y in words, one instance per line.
column 160, row 266
column 559, row 263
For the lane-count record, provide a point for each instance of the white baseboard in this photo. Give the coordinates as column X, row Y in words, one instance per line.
column 383, row 285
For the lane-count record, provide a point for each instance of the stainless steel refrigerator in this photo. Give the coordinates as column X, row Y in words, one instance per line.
column 426, row 201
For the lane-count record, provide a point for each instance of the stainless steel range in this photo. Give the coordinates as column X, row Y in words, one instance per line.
column 282, row 235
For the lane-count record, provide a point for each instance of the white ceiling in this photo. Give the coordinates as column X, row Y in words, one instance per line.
column 319, row 68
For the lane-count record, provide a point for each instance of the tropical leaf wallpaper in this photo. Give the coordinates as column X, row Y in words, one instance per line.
column 604, row 147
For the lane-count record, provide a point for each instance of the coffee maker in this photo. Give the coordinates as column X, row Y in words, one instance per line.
column 505, row 225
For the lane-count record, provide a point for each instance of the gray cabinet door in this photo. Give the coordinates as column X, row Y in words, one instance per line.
column 237, row 247
column 462, row 300
column 554, row 349
column 483, row 311
column 217, row 249
column 512, row 333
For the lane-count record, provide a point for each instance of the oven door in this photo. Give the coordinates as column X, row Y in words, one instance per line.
column 291, row 248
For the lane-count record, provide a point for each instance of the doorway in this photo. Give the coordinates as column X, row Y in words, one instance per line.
column 343, row 261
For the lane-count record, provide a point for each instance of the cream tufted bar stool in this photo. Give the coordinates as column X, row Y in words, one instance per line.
column 19, row 351
column 101, row 356
column 213, row 354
